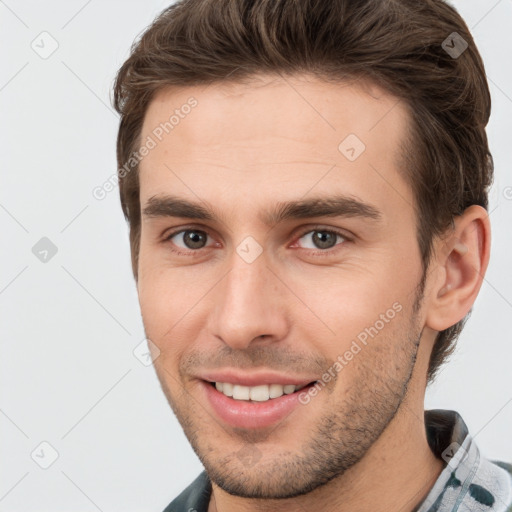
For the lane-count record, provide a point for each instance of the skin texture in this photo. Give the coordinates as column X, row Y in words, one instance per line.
column 360, row 443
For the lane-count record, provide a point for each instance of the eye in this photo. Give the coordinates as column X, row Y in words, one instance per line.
column 192, row 240
column 322, row 239
column 188, row 239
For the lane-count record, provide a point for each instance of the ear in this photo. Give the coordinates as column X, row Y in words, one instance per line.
column 462, row 257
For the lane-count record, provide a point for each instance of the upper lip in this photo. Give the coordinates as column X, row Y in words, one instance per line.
column 255, row 378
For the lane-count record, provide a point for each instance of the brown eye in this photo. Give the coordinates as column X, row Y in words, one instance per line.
column 191, row 239
column 322, row 239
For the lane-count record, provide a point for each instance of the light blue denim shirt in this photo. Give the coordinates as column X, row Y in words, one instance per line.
column 469, row 481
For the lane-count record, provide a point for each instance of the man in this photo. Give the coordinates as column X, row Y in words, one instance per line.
column 306, row 186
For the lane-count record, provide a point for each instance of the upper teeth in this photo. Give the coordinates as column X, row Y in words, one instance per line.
column 257, row 393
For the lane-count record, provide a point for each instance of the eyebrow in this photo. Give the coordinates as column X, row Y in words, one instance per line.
column 330, row 206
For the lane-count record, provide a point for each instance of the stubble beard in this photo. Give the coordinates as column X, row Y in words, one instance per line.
column 342, row 435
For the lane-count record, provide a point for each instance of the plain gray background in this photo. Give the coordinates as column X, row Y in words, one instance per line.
column 70, row 324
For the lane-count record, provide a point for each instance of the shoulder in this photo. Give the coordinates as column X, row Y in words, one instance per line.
column 195, row 498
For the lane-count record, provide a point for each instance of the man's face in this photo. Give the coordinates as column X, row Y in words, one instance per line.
column 249, row 297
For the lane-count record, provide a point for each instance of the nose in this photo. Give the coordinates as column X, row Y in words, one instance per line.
column 250, row 305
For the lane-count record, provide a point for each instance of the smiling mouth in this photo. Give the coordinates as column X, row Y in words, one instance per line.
column 260, row 393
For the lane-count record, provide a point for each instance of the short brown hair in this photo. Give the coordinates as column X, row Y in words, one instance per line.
column 400, row 45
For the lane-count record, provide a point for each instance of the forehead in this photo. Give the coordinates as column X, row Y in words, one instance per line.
column 278, row 136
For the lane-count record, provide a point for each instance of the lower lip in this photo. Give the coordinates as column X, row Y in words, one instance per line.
column 251, row 414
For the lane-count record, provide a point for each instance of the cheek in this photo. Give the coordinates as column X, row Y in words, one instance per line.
column 158, row 299
column 159, row 315
column 377, row 356
column 174, row 306
column 348, row 300
column 152, row 297
column 161, row 290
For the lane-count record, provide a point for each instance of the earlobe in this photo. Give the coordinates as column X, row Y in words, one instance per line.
column 463, row 255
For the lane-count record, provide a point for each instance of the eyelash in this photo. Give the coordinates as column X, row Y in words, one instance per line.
column 318, row 252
